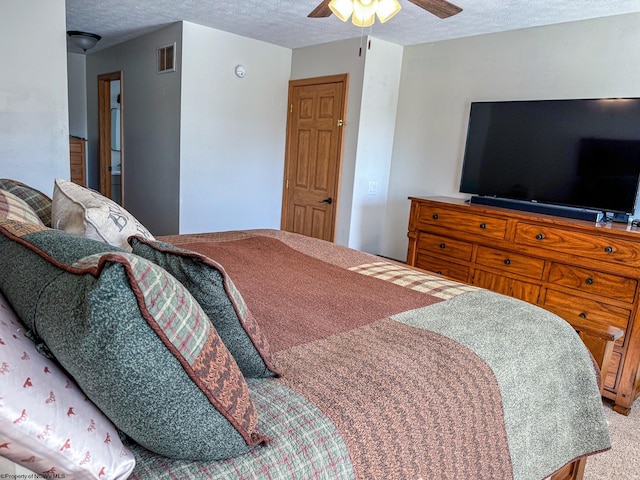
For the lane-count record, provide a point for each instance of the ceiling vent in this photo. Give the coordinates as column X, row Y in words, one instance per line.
column 167, row 58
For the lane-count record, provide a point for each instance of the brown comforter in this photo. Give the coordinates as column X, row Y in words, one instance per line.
column 389, row 373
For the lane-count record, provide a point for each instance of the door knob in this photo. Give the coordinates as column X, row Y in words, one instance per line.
column 327, row 200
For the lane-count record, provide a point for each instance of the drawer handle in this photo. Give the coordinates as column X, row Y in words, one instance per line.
column 583, row 315
column 435, row 216
column 608, row 249
column 442, row 245
column 589, row 281
column 439, row 272
column 540, row 236
column 507, row 261
column 483, row 226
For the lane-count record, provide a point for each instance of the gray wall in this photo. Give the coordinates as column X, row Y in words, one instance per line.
column 203, row 150
column 34, row 125
column 233, row 131
column 375, row 145
column 595, row 58
column 331, row 59
column 151, row 118
column 77, row 90
column 369, row 130
column 588, row 59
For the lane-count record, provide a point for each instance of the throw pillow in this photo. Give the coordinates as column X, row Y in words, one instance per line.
column 135, row 341
column 85, row 212
column 38, row 201
column 14, row 208
column 212, row 288
column 46, row 423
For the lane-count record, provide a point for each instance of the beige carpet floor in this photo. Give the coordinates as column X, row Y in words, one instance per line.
column 622, row 462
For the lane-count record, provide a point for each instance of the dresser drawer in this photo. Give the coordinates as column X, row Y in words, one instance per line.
column 528, row 292
column 443, row 267
column 510, row 262
column 444, row 246
column 612, row 286
column 578, row 243
column 573, row 309
column 76, row 170
column 481, row 225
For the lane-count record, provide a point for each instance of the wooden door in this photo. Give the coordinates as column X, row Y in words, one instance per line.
column 317, row 110
column 105, row 134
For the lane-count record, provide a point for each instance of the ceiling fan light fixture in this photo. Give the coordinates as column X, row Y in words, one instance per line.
column 365, row 21
column 364, row 12
column 387, row 9
column 84, row 40
column 341, row 8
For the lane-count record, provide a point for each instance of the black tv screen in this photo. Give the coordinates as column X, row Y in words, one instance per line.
column 578, row 153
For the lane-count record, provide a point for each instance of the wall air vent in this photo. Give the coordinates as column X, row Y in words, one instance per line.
column 167, row 58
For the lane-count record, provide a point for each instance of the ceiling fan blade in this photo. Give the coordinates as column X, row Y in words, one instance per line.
column 440, row 8
column 321, row 10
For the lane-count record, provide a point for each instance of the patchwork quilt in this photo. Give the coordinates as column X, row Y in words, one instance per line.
column 391, row 373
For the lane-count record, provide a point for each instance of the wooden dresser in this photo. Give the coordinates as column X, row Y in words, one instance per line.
column 585, row 272
column 77, row 159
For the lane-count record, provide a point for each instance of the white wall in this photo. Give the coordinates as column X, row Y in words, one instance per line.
column 77, row 92
column 34, row 125
column 331, row 59
column 151, row 118
column 375, row 144
column 594, row 58
column 233, row 131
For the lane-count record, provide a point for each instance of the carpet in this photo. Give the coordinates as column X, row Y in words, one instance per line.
column 623, row 460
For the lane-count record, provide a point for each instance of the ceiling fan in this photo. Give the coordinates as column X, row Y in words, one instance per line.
column 439, row 8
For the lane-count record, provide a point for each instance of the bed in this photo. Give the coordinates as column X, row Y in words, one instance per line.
column 368, row 369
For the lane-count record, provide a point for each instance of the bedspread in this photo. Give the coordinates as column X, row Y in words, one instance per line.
column 391, row 373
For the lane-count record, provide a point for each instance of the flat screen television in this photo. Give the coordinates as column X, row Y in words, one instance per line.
column 581, row 154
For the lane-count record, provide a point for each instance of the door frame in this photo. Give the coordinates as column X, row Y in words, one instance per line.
column 288, row 160
column 104, row 133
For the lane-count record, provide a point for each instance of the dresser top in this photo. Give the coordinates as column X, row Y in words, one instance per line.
column 624, row 229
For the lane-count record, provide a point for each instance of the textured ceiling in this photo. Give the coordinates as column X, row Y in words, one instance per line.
column 285, row 23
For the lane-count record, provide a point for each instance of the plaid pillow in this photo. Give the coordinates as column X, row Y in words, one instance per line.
column 135, row 341
column 14, row 208
column 38, row 201
column 210, row 285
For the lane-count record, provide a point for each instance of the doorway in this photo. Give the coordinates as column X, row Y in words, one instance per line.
column 110, row 129
column 313, row 159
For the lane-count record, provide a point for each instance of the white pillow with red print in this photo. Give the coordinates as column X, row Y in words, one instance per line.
column 47, row 424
